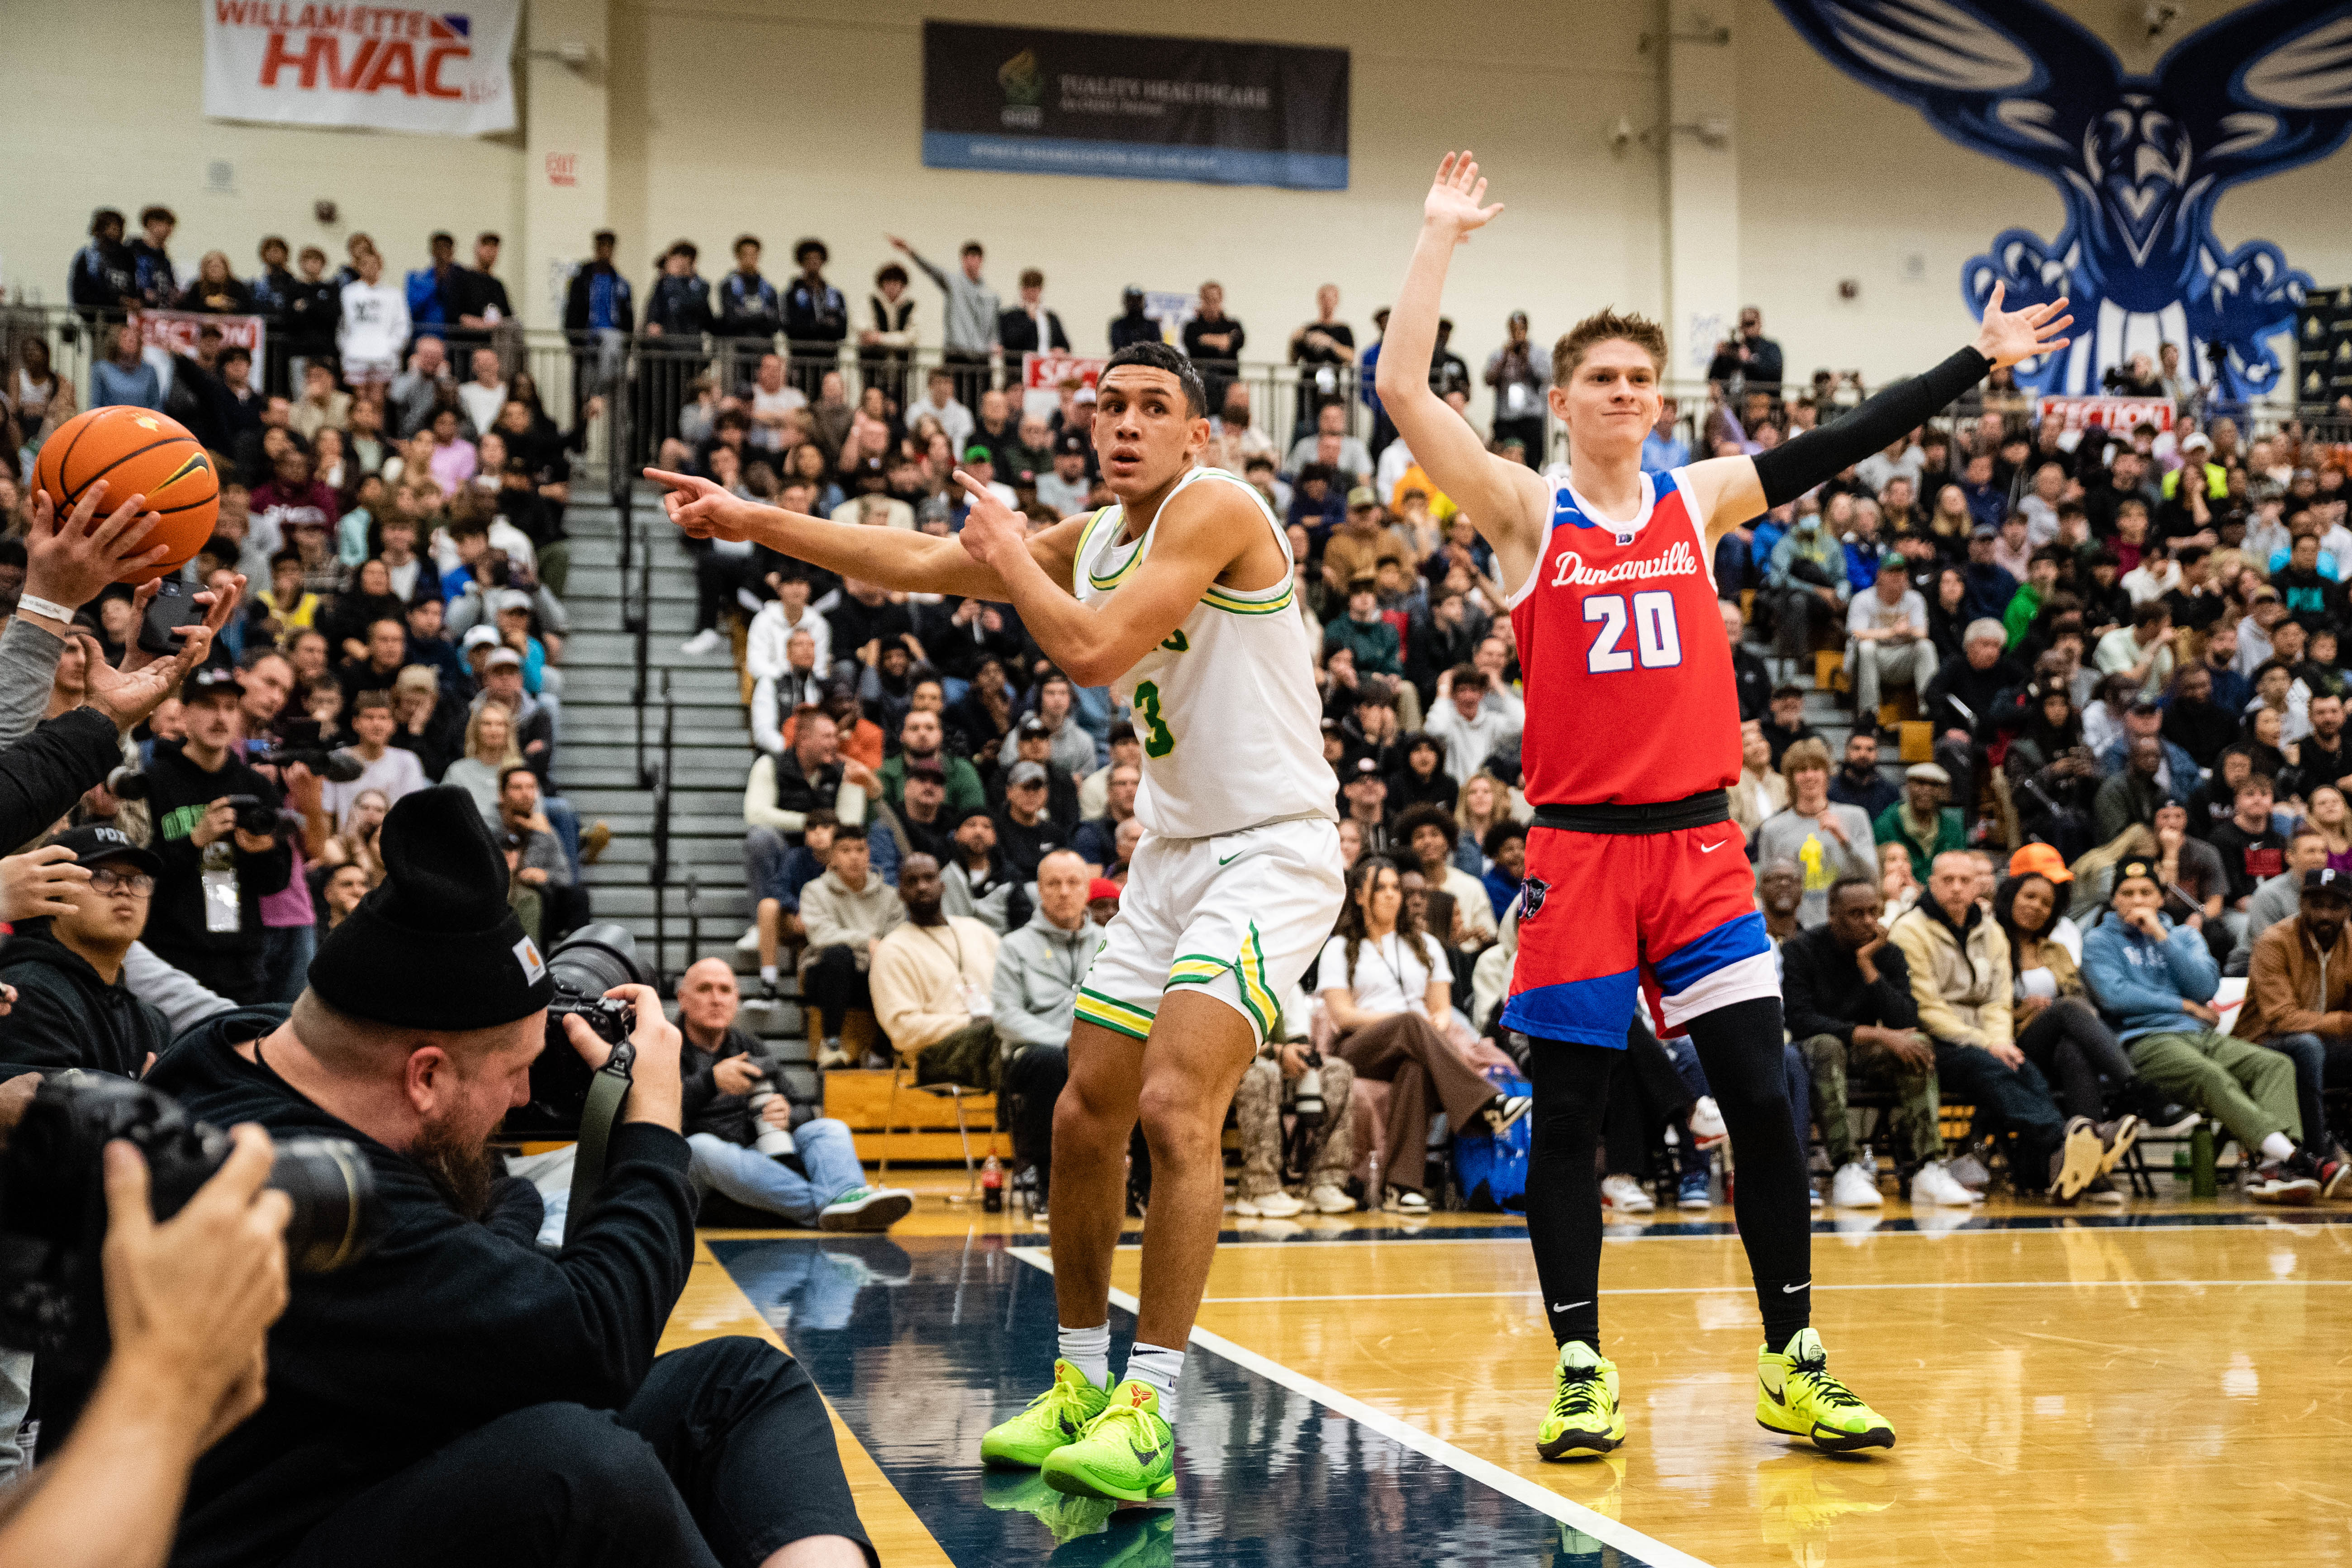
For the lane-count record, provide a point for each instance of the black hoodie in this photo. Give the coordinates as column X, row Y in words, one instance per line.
column 66, row 1016
column 447, row 1324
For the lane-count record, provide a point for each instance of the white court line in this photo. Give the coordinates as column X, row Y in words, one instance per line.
column 2306, row 1220
column 1600, row 1526
column 1748, row 1289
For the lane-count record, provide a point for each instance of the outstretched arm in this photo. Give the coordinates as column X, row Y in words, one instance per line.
column 1505, row 499
column 896, row 558
column 1095, row 645
column 1728, row 491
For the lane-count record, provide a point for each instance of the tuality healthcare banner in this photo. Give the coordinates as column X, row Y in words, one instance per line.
column 1042, row 100
column 386, row 68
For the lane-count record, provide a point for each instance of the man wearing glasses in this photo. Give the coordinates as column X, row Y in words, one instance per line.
column 72, row 1009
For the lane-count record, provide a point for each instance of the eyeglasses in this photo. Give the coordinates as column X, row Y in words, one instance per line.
column 105, row 879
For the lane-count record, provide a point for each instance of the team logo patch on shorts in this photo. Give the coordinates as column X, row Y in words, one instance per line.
column 1532, row 893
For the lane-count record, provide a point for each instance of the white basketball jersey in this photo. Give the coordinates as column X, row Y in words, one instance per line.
column 1226, row 708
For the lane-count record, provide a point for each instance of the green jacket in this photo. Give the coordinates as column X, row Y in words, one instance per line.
column 2023, row 606
column 1373, row 643
column 1950, row 834
column 965, row 792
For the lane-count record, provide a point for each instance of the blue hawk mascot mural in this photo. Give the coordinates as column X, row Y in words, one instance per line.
column 2138, row 161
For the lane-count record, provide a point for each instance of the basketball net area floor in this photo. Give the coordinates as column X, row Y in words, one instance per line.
column 2173, row 1383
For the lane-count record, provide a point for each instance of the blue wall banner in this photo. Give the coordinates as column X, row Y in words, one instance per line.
column 1043, row 100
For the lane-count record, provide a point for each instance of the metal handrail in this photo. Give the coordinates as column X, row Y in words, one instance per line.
column 657, row 868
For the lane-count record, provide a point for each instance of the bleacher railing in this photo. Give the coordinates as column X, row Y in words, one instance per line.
column 657, row 868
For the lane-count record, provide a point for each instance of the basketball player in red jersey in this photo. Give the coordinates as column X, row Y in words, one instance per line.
column 1637, row 887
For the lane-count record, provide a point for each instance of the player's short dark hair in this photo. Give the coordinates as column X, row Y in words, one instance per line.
column 1175, row 362
column 743, row 240
column 1781, row 693
column 846, row 830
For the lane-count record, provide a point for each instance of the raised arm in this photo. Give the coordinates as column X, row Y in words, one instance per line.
column 1728, row 492
column 1506, row 501
column 1191, row 547
column 896, row 558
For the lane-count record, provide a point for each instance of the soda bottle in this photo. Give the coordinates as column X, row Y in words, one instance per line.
column 992, row 1185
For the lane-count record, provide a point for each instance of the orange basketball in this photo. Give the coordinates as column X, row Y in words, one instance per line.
column 136, row 452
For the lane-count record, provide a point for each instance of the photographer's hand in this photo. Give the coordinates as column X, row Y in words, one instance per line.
column 39, row 882
column 129, row 695
column 218, row 821
column 735, row 1074
column 655, row 1093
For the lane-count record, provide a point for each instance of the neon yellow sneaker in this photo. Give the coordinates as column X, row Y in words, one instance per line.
column 1126, row 1454
column 1584, row 1420
column 1796, row 1395
column 1052, row 1419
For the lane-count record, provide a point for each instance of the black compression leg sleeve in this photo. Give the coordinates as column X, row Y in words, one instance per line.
column 1739, row 1046
column 1788, row 471
column 1571, row 1091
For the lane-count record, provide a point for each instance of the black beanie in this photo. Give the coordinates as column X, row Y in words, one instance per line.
column 435, row 946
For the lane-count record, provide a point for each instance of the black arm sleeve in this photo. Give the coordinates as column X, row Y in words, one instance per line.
column 1787, row 472
column 43, row 774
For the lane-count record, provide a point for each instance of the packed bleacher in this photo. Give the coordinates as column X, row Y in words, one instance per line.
column 2047, row 652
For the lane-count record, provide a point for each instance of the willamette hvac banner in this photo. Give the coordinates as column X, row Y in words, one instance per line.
column 294, row 62
column 1043, row 101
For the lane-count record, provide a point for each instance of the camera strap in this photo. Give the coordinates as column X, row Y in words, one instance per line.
column 608, row 1090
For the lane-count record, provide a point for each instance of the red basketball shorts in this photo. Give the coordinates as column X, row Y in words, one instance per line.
column 1611, row 920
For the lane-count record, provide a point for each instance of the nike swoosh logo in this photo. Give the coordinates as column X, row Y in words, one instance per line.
column 1711, row 848
column 1568, row 1307
column 1231, row 858
column 1146, row 1457
column 1792, row 1290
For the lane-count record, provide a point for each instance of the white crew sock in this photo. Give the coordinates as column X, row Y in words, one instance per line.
column 1158, row 1367
column 1089, row 1350
column 2277, row 1145
column 768, row 973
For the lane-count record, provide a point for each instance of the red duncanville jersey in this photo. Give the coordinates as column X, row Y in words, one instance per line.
column 1630, row 693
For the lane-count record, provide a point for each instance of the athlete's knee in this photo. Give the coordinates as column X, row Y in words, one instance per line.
column 1178, row 1121
column 1092, row 1111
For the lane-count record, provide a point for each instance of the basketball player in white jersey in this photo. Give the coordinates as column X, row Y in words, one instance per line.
column 1179, row 599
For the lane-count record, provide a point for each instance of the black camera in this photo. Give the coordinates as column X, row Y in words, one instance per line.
column 53, row 1206
column 253, row 814
column 301, row 740
column 584, row 965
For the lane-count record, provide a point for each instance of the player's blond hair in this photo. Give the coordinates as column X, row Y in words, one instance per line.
column 1600, row 326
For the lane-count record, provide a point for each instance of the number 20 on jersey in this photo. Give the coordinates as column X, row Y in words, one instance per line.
column 1657, row 640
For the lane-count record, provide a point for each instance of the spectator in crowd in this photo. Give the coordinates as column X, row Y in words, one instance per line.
column 1032, row 997
column 920, row 739
column 1327, row 1144
column 816, row 1182
column 125, row 379
column 1429, row 835
column 104, row 276
column 1826, row 840
column 2249, row 844
column 1961, row 699
column 1858, row 782
column 1459, row 718
column 1748, row 359
column 539, row 876
column 2132, row 796
column 2157, row 981
column 63, row 968
column 1366, row 793
column 2177, row 771
column 680, row 304
column 1785, row 724
column 2299, row 1003
column 1886, row 638
column 982, row 883
column 475, row 297
column 1387, row 990
column 374, row 325
column 489, row 751
column 783, row 852
column 1962, row 978
column 1029, row 328
column 1805, row 582
column 749, row 306
column 2277, row 898
column 220, row 860
column 931, row 984
column 1025, row 829
column 844, row 915
column 1096, row 838
column 1920, row 821
column 970, row 328
column 1851, row 1012
column 1213, row 340
column 815, row 316
column 1760, row 790
column 598, row 299
column 1505, row 848
column 1330, row 420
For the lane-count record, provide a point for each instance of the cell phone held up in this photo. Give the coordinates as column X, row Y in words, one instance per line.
column 174, row 605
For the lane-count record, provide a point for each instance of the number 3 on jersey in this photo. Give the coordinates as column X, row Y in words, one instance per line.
column 1157, row 740
column 1656, row 638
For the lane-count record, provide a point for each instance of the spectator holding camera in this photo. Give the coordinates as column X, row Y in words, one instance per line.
column 216, row 832
column 64, row 964
column 813, row 1177
column 460, row 1395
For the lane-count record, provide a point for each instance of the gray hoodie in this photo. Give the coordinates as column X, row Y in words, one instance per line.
column 836, row 915
column 1035, row 988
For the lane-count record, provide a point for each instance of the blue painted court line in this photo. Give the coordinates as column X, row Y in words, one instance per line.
column 921, row 1345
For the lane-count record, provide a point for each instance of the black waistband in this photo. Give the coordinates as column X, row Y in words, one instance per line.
column 1657, row 816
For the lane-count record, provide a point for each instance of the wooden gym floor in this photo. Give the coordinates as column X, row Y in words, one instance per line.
column 2170, row 1384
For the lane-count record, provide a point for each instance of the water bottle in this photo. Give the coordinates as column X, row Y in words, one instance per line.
column 1373, row 1193
column 2180, row 1162
column 992, row 1185
column 2201, row 1183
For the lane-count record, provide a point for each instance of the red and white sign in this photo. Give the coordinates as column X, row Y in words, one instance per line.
column 175, row 331
column 2116, row 415
column 1051, row 373
column 563, row 168
column 308, row 62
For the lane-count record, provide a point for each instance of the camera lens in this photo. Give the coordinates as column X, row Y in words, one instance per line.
column 595, row 958
column 337, row 1215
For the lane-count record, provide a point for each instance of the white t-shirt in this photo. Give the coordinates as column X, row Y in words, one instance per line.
column 1391, row 975
column 1869, row 613
column 396, row 773
column 481, row 403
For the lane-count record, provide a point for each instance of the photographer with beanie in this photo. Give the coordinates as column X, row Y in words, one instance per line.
column 460, row 1396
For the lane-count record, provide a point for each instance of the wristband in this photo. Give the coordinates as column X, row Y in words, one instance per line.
column 47, row 607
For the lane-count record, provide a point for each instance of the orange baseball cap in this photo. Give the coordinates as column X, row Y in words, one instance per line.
column 2040, row 859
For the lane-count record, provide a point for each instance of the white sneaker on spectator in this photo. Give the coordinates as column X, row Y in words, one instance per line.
column 750, row 940
column 1402, row 1200
column 707, row 641
column 1329, row 1199
column 1932, row 1184
column 1707, row 1122
column 1624, row 1195
column 1853, row 1188
column 1276, row 1204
